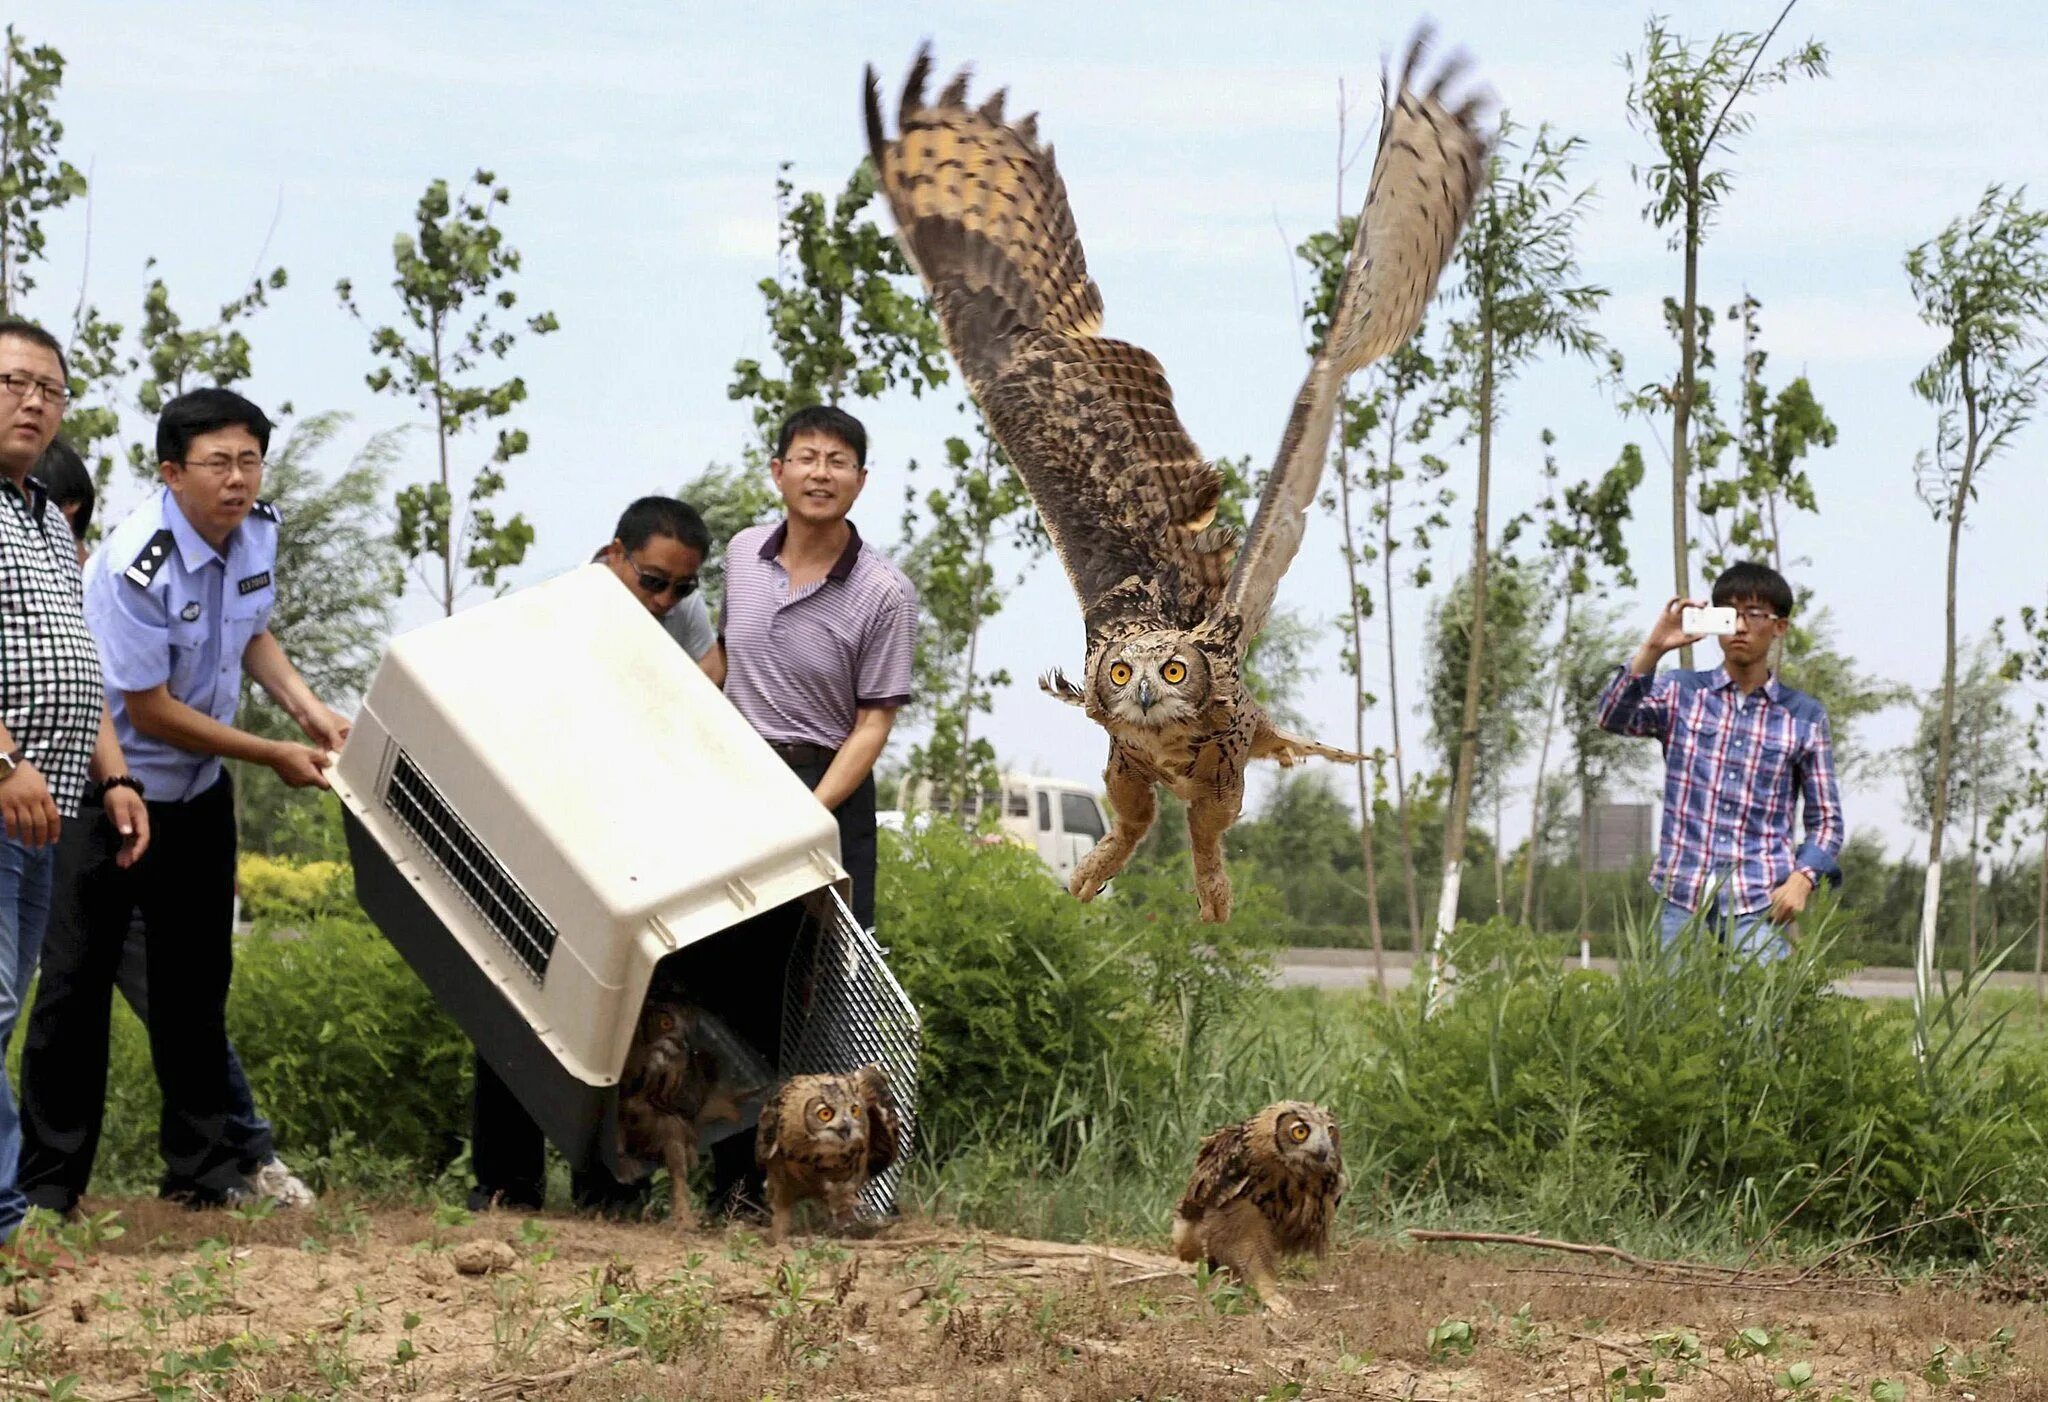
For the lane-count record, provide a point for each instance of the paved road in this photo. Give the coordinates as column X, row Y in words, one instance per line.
column 1352, row 968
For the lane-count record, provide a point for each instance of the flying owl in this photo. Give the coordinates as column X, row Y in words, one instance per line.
column 671, row 1088
column 1262, row 1190
column 1170, row 600
column 826, row 1136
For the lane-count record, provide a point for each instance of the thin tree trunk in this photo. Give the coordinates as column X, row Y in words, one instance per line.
column 7, row 162
column 1930, row 905
column 1365, row 832
column 1681, row 401
column 1976, row 827
column 1441, row 973
column 1564, row 642
column 961, row 775
column 447, row 488
column 1394, row 701
column 1585, row 846
column 1500, row 871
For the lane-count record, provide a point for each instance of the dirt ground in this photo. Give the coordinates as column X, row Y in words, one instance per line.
column 345, row 1301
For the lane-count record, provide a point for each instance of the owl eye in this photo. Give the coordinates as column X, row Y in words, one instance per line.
column 824, row 1114
column 1174, row 672
column 667, row 1023
column 1299, row 1133
column 1120, row 674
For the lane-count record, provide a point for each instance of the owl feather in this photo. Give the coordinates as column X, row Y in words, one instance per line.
column 1262, row 1190
column 1169, row 601
column 826, row 1136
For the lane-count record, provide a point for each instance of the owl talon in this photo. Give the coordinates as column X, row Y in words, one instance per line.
column 1278, row 1303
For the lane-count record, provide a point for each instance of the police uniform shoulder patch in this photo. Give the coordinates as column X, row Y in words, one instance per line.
column 152, row 558
column 265, row 509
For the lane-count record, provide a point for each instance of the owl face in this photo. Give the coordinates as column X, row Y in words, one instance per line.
column 835, row 1111
column 1306, row 1133
column 1153, row 680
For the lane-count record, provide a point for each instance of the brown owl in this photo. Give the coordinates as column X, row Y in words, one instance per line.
column 826, row 1136
column 1170, row 601
column 671, row 1088
column 1263, row 1190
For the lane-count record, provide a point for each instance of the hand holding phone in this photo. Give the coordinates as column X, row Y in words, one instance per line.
column 1708, row 622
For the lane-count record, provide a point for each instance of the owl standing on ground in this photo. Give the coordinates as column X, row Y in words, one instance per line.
column 826, row 1136
column 1263, row 1190
column 1171, row 601
column 670, row 1089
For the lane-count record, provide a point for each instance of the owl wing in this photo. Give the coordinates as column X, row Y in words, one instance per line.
column 1223, row 1170
column 884, row 1117
column 768, row 1133
column 1426, row 176
column 1089, row 423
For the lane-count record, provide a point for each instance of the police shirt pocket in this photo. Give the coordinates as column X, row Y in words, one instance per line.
column 188, row 636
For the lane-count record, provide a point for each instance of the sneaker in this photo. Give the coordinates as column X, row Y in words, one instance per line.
column 275, row 1181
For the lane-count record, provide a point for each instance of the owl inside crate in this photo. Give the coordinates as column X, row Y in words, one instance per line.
column 1263, row 1190
column 825, row 1136
column 1170, row 600
column 686, row 1071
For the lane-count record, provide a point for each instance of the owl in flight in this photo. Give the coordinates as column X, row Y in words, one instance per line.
column 1171, row 601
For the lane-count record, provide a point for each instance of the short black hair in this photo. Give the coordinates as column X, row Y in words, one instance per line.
column 1748, row 580
column 24, row 330
column 828, row 419
column 203, row 411
column 663, row 516
column 65, row 478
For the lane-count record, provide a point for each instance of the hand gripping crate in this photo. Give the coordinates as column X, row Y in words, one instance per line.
column 549, row 808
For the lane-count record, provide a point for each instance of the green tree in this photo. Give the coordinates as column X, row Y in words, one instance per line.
column 34, row 178
column 1684, row 96
column 959, row 588
column 840, row 316
column 175, row 357
column 1521, row 296
column 1983, row 774
column 1983, row 282
column 1743, row 509
column 451, row 274
column 1581, row 528
column 341, row 571
column 1812, row 662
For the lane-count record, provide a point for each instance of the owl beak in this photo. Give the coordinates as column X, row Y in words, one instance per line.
column 1146, row 696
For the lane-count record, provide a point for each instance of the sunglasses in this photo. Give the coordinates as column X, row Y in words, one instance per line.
column 658, row 584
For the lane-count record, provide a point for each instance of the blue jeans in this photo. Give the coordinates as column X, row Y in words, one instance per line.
column 1750, row 932
column 25, row 884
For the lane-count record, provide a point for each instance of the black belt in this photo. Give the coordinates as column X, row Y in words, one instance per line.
column 802, row 753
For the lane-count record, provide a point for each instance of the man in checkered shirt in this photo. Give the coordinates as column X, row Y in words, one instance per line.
column 1741, row 751
column 55, row 732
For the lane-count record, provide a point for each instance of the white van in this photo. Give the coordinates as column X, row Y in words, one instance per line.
column 1059, row 819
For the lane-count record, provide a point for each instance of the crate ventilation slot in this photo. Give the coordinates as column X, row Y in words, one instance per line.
column 464, row 860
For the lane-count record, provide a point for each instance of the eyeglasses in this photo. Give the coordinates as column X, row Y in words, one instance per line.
column 682, row 586
column 809, row 458
column 1757, row 617
column 18, row 385
column 250, row 463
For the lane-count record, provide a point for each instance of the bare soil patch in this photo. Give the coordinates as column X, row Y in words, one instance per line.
column 346, row 1301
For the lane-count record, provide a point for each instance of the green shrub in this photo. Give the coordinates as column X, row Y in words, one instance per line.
column 1040, row 1012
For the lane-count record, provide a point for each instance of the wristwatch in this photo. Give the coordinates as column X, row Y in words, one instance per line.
column 10, row 762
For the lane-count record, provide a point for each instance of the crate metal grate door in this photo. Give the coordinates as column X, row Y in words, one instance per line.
column 842, row 1009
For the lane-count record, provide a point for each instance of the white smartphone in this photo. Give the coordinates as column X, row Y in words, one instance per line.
column 1708, row 622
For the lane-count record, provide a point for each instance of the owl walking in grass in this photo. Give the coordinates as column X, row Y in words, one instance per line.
column 1170, row 600
column 1262, row 1191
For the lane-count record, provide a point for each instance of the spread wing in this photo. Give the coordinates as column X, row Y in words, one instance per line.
column 1223, row 1170
column 884, row 1117
column 1425, row 178
column 1088, row 422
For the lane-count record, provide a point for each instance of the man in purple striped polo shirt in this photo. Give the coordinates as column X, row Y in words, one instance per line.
column 818, row 629
column 1741, row 752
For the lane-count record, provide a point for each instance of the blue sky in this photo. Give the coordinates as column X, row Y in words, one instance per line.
column 641, row 144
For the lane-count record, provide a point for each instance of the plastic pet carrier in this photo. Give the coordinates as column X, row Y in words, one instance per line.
column 551, row 809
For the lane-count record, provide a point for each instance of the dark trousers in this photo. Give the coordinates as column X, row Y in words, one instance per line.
column 184, row 887
column 734, row 1171
column 508, row 1156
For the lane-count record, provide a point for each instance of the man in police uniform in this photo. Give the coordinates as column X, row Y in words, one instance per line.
column 179, row 600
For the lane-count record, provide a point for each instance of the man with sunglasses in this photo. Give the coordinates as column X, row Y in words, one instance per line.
column 179, row 600
column 656, row 551
column 1741, row 751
